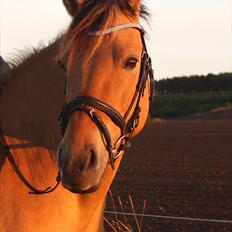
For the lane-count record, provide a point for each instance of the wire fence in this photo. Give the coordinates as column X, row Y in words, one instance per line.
column 170, row 217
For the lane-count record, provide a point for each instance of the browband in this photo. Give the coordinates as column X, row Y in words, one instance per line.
column 116, row 28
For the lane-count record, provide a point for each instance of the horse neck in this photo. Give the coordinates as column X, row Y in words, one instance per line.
column 31, row 99
column 30, row 103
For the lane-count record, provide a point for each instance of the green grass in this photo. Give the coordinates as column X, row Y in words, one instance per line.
column 179, row 105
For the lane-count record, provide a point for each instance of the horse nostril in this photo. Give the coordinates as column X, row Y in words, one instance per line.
column 93, row 158
column 80, row 160
column 88, row 158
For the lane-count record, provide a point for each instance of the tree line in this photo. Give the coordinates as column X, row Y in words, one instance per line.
column 195, row 83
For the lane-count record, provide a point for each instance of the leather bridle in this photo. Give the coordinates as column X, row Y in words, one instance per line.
column 88, row 104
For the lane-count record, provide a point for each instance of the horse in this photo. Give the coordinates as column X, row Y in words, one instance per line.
column 107, row 74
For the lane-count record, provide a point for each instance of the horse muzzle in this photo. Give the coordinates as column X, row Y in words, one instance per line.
column 81, row 169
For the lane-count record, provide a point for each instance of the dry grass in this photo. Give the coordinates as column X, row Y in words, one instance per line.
column 122, row 224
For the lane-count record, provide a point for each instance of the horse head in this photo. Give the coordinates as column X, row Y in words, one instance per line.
column 108, row 84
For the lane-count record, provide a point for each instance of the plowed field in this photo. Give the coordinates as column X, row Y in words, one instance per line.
column 182, row 169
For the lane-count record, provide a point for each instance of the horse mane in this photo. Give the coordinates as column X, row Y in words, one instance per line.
column 19, row 60
column 94, row 15
column 4, row 69
column 22, row 58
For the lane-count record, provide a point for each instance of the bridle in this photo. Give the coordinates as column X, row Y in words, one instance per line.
column 89, row 104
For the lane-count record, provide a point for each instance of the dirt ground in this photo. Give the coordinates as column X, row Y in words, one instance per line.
column 182, row 168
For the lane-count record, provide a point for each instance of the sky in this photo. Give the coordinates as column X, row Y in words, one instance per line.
column 185, row 37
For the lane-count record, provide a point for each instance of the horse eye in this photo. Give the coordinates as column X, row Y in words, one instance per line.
column 131, row 63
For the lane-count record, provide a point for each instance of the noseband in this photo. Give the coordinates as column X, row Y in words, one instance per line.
column 89, row 104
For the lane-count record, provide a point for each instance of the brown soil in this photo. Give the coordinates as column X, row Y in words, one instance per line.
column 183, row 169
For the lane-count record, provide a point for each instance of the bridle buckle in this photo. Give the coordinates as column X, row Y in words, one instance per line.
column 120, row 145
column 91, row 113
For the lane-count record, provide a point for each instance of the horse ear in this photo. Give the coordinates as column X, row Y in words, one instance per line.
column 72, row 6
column 135, row 5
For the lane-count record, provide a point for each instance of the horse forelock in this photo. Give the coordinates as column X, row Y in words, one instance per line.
column 92, row 16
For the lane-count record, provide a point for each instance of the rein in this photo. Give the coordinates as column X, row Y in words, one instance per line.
column 88, row 105
column 12, row 162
